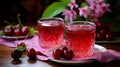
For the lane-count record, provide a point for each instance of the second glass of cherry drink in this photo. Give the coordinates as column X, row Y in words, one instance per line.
column 51, row 32
column 80, row 37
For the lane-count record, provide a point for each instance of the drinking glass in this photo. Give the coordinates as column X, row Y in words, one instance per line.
column 51, row 32
column 80, row 37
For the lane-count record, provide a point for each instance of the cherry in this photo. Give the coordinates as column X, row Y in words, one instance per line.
column 25, row 30
column 103, row 32
column 18, row 26
column 62, row 49
column 8, row 32
column 68, row 54
column 99, row 36
column 16, row 54
column 108, row 36
column 17, row 32
column 99, row 25
column 22, row 44
column 57, row 54
column 31, row 53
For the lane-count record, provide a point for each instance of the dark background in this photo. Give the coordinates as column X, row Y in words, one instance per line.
column 29, row 10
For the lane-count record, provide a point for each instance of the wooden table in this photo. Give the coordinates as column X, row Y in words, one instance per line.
column 7, row 61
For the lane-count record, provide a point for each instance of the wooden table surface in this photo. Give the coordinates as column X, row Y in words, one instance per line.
column 7, row 61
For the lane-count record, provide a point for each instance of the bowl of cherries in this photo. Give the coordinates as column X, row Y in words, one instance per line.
column 15, row 32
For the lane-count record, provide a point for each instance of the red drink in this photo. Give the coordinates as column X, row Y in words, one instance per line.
column 51, row 32
column 81, row 38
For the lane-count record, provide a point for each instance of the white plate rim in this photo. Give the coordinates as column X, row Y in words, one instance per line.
column 68, row 62
column 15, row 37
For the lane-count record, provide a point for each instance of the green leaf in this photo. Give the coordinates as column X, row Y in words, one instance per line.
column 3, row 33
column 32, row 31
column 84, row 4
column 21, row 48
column 65, row 1
column 54, row 9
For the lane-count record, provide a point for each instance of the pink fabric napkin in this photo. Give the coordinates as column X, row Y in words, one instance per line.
column 107, row 56
column 33, row 42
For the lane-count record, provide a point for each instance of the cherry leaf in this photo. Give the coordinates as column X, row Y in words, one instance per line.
column 54, row 9
column 65, row 1
column 84, row 4
column 2, row 34
column 21, row 48
column 33, row 31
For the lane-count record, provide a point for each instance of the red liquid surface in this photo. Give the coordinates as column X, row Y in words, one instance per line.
column 81, row 39
column 51, row 34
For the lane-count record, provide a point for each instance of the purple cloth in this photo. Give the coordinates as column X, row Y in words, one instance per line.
column 33, row 42
column 107, row 56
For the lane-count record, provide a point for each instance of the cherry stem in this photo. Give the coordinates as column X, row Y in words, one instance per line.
column 6, row 22
column 19, row 21
column 27, row 36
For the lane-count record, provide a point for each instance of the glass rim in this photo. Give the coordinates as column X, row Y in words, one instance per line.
column 50, row 19
column 70, row 25
column 82, row 22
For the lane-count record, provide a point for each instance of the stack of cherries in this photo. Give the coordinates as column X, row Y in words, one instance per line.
column 63, row 52
column 17, row 30
column 103, row 31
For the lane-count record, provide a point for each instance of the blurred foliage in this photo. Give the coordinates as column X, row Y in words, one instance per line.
column 114, row 16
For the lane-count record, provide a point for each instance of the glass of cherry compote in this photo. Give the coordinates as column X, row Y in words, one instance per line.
column 80, row 37
column 51, row 32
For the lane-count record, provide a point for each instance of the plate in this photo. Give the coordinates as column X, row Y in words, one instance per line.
column 15, row 37
column 97, row 48
column 108, row 42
